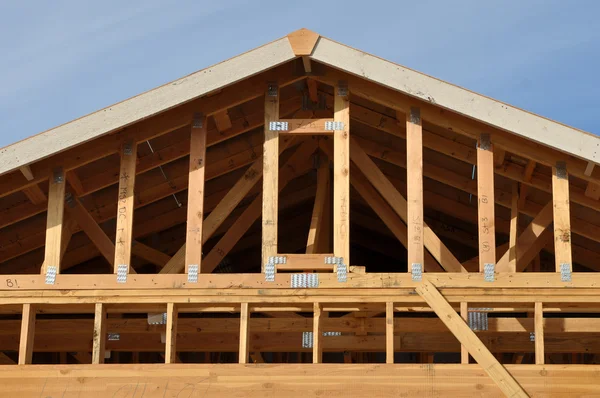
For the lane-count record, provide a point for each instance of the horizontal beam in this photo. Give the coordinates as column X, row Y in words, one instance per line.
column 290, row 380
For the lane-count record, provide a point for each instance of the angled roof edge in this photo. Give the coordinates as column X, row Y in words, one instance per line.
column 145, row 105
column 561, row 137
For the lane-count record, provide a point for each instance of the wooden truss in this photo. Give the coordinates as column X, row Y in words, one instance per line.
column 450, row 295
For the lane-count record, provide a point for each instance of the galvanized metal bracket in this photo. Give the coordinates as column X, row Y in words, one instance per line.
column 417, row 272
column 192, row 276
column 279, row 126
column 532, row 337
column 113, row 336
column 304, row 281
column 478, row 318
column 307, row 339
column 157, row 318
column 489, row 272
column 340, row 268
column 70, row 200
column 198, row 121
column 332, row 334
column 342, row 90
column 272, row 89
column 270, row 268
column 485, row 142
column 561, row 170
column 59, row 176
column 415, row 115
column 128, row 149
column 51, row 272
column 565, row 272
column 333, row 126
column 122, row 273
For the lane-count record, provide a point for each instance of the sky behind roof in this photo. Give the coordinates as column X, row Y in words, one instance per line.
column 65, row 59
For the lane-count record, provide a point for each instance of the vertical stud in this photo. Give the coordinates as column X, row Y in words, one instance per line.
column 125, row 205
column 485, row 208
column 389, row 332
column 464, row 314
column 539, row 333
column 414, row 187
column 27, row 334
column 171, row 335
column 562, row 217
column 99, row 340
column 341, row 174
column 54, row 221
column 244, row 332
column 195, row 214
column 317, row 333
column 514, row 224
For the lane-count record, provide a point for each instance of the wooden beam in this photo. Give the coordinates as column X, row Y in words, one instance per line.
column 75, row 183
column 433, row 244
column 499, row 155
column 469, row 339
column 6, row 360
column 195, row 213
column 317, row 221
column 539, row 333
column 222, row 121
column 562, row 217
column 341, row 174
column 389, row 332
column 149, row 254
column 244, row 332
column 54, row 222
column 99, row 339
column 312, row 90
column 514, row 225
column 27, row 334
column 26, row 171
column 592, row 190
column 464, row 314
column 486, row 202
column 171, row 335
column 414, row 188
column 35, row 195
column 291, row 169
column 527, row 176
column 125, row 205
column 270, row 198
column 317, row 333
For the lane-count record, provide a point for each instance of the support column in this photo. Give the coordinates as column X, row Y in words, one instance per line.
column 99, row 340
column 539, row 333
column 317, row 333
column 195, row 214
column 464, row 314
column 27, row 334
column 414, row 188
column 270, row 176
column 244, row 332
column 389, row 332
column 485, row 208
column 341, row 173
column 171, row 335
column 125, row 205
column 54, row 223
column 514, row 225
column 562, row 217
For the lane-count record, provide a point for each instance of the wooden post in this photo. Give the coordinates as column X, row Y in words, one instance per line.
column 244, row 332
column 270, row 176
column 341, row 174
column 562, row 217
column 125, row 205
column 389, row 332
column 318, row 221
column 539, row 333
column 54, row 222
column 414, row 188
column 99, row 340
column 464, row 314
column 195, row 213
column 485, row 208
column 171, row 335
column 27, row 334
column 514, row 225
column 317, row 333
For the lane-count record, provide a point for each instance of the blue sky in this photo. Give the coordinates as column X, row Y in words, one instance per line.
column 64, row 59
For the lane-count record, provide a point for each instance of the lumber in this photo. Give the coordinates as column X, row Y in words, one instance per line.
column 27, row 334
column 54, row 221
column 464, row 314
column 469, row 339
column 562, row 217
column 195, row 212
column 317, row 220
column 244, row 332
column 99, row 339
column 414, row 188
column 514, row 225
column 125, row 207
column 171, row 334
column 389, row 332
column 35, row 195
column 486, row 202
column 539, row 333
column 317, row 330
column 341, row 174
column 270, row 197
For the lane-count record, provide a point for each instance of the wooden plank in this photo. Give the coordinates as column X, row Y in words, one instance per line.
column 464, row 314
column 389, row 332
column 592, row 190
column 589, row 169
column 313, row 94
column 303, row 41
column 149, row 254
column 562, row 216
column 499, row 155
column 414, row 188
column 222, row 121
column 270, row 198
column 307, row 126
column 527, row 176
column 539, row 333
column 305, row 262
column 26, row 171
column 125, row 205
column 54, row 221
column 99, row 339
column 341, row 174
column 171, row 335
column 35, row 194
column 469, row 339
column 486, row 202
column 432, row 243
column 195, row 213
column 244, row 332
column 317, row 333
column 75, row 183
column 27, row 334
column 317, row 221
column 514, row 225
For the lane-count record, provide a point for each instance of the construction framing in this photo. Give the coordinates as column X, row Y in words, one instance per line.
column 404, row 242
